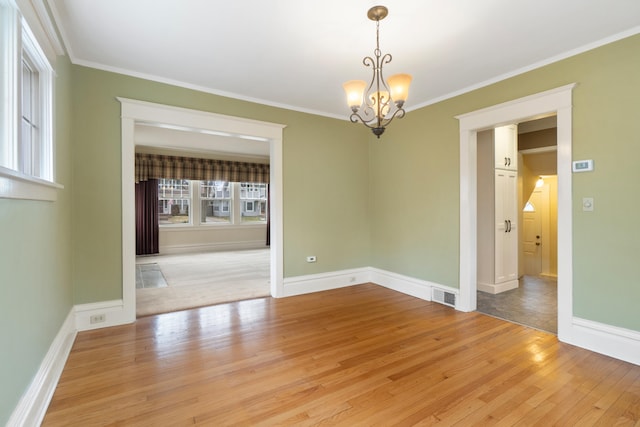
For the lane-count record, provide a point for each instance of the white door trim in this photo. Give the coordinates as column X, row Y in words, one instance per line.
column 140, row 111
column 555, row 101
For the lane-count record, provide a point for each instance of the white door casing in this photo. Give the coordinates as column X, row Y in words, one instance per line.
column 134, row 111
column 555, row 101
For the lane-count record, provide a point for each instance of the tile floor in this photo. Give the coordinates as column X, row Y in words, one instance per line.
column 534, row 303
column 149, row 276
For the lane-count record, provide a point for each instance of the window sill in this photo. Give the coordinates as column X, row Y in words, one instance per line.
column 16, row 185
column 187, row 227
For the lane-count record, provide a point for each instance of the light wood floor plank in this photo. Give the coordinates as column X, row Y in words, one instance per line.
column 355, row 356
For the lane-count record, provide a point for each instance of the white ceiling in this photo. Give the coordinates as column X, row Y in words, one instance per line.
column 160, row 139
column 296, row 54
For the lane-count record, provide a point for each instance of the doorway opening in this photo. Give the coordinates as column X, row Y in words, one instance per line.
column 199, row 242
column 236, row 131
column 555, row 101
column 532, row 299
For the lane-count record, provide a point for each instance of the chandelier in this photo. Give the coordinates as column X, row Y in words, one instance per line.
column 382, row 101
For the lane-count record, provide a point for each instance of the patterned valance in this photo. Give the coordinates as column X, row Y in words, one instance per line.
column 149, row 166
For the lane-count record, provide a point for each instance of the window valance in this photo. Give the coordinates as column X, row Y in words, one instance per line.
column 149, row 166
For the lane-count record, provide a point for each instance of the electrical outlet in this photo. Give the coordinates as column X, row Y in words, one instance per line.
column 97, row 318
column 311, row 258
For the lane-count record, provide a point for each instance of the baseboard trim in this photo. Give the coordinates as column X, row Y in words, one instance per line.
column 299, row 285
column 613, row 341
column 405, row 284
column 113, row 311
column 493, row 288
column 212, row 247
column 339, row 279
column 33, row 404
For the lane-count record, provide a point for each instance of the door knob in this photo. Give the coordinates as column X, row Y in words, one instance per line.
column 537, row 243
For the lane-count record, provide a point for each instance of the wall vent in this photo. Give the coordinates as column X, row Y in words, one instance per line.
column 443, row 297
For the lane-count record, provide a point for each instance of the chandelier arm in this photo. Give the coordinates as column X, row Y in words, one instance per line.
column 385, row 60
column 371, row 124
column 367, row 113
column 399, row 113
column 368, row 62
column 384, row 103
column 355, row 117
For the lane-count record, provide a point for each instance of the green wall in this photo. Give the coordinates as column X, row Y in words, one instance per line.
column 353, row 200
column 325, row 180
column 35, row 267
column 415, row 181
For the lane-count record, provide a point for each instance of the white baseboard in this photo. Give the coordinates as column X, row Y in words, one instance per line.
column 212, row 247
column 405, row 284
column 493, row 288
column 33, row 405
column 324, row 281
column 619, row 343
column 113, row 311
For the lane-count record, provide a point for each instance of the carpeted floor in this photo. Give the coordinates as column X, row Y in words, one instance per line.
column 200, row 279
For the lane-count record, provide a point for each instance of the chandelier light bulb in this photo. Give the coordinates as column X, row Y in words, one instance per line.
column 399, row 86
column 355, row 91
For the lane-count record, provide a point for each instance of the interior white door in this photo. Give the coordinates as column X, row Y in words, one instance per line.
column 532, row 234
column 506, row 147
column 506, row 223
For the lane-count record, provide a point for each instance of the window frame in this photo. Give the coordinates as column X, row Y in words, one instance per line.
column 223, row 199
column 29, row 142
column 235, row 209
column 251, row 194
column 181, row 196
column 20, row 178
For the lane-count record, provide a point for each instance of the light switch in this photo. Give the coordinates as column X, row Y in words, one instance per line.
column 587, row 204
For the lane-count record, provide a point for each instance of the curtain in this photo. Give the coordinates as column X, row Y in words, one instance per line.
column 269, row 216
column 147, row 229
column 148, row 166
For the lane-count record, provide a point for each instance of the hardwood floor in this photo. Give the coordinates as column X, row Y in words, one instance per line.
column 363, row 355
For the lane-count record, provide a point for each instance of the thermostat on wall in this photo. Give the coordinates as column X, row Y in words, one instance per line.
column 583, row 166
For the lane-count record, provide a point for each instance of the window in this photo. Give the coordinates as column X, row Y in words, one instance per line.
column 529, row 208
column 213, row 202
column 174, row 199
column 28, row 147
column 26, row 88
column 254, row 202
